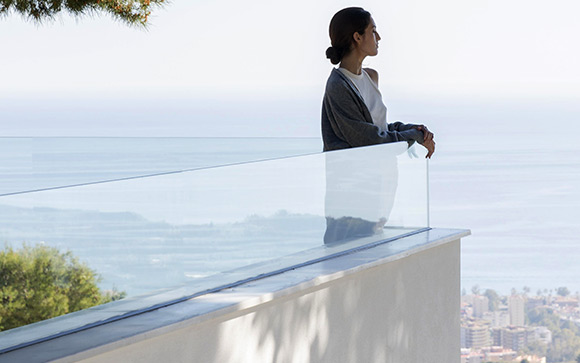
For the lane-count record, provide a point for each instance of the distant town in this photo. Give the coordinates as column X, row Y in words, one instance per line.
column 521, row 327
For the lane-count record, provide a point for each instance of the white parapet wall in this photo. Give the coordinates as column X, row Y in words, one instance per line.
column 396, row 302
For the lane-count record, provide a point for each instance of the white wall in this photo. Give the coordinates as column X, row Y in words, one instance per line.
column 405, row 310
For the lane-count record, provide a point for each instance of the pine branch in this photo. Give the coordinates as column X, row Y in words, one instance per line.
column 131, row 12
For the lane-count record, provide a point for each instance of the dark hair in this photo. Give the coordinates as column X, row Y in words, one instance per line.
column 342, row 26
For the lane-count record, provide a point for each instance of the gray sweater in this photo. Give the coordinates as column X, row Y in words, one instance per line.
column 347, row 122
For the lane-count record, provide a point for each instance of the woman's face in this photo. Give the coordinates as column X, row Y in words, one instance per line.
column 369, row 44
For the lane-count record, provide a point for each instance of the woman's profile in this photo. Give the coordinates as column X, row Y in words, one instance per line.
column 361, row 185
column 353, row 112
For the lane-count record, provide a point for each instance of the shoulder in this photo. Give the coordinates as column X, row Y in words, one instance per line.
column 336, row 83
column 336, row 76
column 373, row 74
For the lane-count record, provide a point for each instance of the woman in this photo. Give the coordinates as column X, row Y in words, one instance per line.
column 361, row 184
column 353, row 113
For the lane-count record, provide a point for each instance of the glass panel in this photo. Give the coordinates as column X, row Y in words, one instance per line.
column 37, row 163
column 165, row 237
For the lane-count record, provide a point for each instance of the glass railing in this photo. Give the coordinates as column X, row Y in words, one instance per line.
column 28, row 164
column 176, row 235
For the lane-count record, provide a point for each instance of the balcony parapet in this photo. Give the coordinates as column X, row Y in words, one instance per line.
column 178, row 240
column 396, row 301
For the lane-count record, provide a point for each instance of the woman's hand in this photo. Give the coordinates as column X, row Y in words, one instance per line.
column 427, row 135
column 430, row 146
column 428, row 142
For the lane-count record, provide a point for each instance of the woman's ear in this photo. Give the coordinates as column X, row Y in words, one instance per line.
column 357, row 37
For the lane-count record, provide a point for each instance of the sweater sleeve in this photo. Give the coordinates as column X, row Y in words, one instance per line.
column 401, row 127
column 348, row 122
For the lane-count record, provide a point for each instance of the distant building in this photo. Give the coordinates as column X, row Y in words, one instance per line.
column 470, row 356
column 466, row 310
column 475, row 334
column 497, row 336
column 566, row 302
column 497, row 318
column 543, row 334
column 514, row 338
column 498, row 354
column 516, row 310
column 480, row 306
column 535, row 301
column 517, row 337
column 467, row 299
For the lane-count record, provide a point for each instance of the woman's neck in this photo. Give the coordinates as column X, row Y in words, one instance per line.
column 352, row 62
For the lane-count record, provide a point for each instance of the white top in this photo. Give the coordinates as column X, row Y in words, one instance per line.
column 371, row 95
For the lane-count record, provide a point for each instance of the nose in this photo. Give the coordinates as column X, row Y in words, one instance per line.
column 378, row 37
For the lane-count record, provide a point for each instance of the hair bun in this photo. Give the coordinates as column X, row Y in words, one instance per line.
column 333, row 54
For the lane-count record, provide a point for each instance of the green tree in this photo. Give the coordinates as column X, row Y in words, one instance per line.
column 536, row 348
column 565, row 334
column 493, row 298
column 563, row 291
column 475, row 289
column 38, row 283
column 132, row 12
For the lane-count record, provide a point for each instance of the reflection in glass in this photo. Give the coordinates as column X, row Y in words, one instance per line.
column 360, row 192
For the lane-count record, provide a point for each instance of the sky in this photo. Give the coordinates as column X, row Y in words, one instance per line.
column 210, row 52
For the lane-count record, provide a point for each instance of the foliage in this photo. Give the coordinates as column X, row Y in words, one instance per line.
column 537, row 348
column 493, row 298
column 565, row 334
column 38, row 283
column 112, row 295
column 563, row 291
column 132, row 12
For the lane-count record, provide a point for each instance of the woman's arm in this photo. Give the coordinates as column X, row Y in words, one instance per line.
column 342, row 111
column 399, row 126
column 427, row 140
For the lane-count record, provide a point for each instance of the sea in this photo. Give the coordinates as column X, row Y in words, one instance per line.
column 507, row 170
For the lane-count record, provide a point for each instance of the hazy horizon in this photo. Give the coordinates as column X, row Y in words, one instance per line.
column 225, row 68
